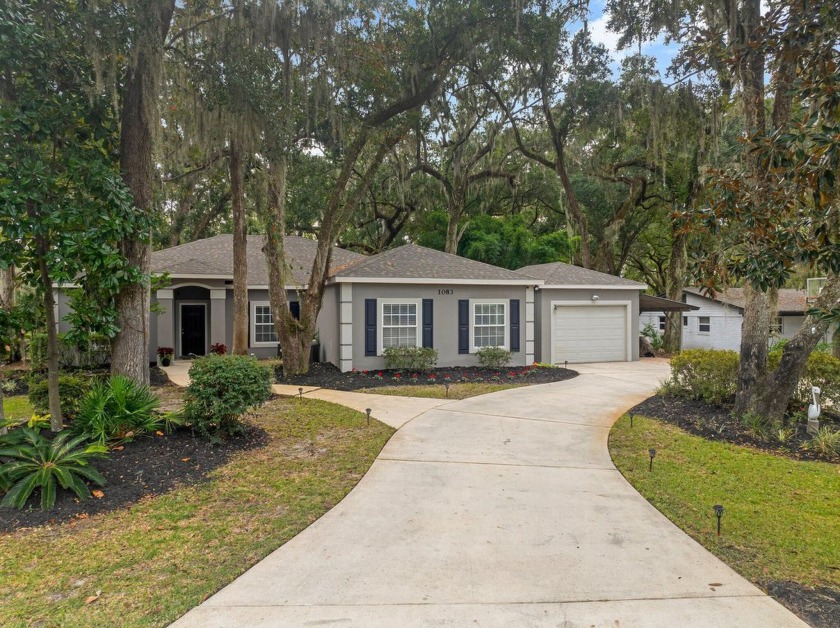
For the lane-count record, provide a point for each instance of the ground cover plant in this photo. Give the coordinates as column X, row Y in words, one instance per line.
column 151, row 562
column 17, row 408
column 328, row 376
column 779, row 527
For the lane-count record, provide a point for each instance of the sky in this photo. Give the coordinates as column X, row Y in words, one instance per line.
column 600, row 34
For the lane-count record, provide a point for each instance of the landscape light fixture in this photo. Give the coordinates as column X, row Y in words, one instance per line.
column 446, row 385
column 367, row 410
column 718, row 513
column 651, row 453
column 300, row 393
column 565, row 364
column 631, row 418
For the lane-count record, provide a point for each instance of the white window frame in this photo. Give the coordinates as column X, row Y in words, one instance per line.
column 253, row 324
column 380, row 315
column 505, row 303
column 700, row 324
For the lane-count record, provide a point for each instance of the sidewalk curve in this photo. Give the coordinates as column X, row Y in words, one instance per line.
column 499, row 510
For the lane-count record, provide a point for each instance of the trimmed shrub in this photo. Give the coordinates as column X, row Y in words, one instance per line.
column 823, row 370
column 707, row 374
column 117, row 408
column 411, row 358
column 493, row 357
column 71, row 390
column 222, row 388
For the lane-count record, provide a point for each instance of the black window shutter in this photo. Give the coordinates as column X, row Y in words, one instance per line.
column 463, row 326
column 370, row 326
column 428, row 328
column 514, row 325
column 294, row 308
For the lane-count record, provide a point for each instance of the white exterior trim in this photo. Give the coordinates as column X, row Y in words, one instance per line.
column 252, row 325
column 530, row 322
column 218, row 293
column 505, row 303
column 180, row 330
column 638, row 286
column 380, row 308
column 628, row 331
column 191, row 284
column 167, row 293
column 442, row 282
column 345, row 327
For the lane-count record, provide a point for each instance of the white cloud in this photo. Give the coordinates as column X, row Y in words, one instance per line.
column 601, row 35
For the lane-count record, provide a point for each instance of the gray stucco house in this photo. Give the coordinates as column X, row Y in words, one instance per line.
column 584, row 315
column 409, row 295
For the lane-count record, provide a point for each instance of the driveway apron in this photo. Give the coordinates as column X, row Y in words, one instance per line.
column 500, row 510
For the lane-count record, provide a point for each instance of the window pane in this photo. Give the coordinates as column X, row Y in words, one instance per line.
column 264, row 324
column 399, row 325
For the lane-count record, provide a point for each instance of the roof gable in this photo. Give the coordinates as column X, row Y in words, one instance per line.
column 412, row 263
column 558, row 274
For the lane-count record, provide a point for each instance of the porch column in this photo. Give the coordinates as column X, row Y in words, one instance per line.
column 217, row 316
column 345, row 326
column 529, row 325
column 165, row 320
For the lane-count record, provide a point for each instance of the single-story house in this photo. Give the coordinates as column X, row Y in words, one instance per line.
column 715, row 323
column 584, row 315
column 409, row 295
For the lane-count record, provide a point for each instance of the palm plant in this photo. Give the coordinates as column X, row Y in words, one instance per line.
column 116, row 409
column 35, row 461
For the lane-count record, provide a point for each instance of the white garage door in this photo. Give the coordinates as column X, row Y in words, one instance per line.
column 590, row 333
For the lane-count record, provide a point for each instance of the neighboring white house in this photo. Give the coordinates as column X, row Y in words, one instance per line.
column 716, row 324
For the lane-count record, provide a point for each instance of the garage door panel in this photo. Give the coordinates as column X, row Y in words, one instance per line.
column 590, row 333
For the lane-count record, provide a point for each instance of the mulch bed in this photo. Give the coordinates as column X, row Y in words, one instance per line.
column 324, row 375
column 820, row 607
column 715, row 423
column 149, row 465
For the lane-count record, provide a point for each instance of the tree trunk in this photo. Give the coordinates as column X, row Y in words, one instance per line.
column 772, row 403
column 755, row 334
column 675, row 279
column 456, row 207
column 574, row 215
column 835, row 346
column 7, row 288
column 56, row 422
column 240, row 250
column 138, row 120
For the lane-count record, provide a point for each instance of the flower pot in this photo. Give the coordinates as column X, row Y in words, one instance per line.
column 165, row 361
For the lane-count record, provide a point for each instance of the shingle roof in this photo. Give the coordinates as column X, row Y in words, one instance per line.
column 560, row 274
column 791, row 301
column 213, row 257
column 415, row 262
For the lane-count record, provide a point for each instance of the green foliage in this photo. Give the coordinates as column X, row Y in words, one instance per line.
column 656, row 340
column 32, row 461
column 826, row 441
column 116, row 408
column 758, row 426
column 411, row 358
column 71, row 390
column 221, row 389
column 706, row 374
column 493, row 357
column 823, row 370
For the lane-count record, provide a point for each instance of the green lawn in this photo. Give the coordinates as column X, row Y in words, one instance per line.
column 438, row 391
column 158, row 559
column 781, row 518
column 17, row 407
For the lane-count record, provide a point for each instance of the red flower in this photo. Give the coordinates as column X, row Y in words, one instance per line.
column 379, row 373
column 398, row 375
column 447, row 376
column 432, row 376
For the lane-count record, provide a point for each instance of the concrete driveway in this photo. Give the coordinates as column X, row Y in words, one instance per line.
column 501, row 510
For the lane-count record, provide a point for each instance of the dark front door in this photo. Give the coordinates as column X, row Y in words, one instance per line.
column 193, row 330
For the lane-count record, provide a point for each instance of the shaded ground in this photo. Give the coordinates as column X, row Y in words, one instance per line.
column 149, row 465
column 325, row 375
column 819, row 606
column 716, row 424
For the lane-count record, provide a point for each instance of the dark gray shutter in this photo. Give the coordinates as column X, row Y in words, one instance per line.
column 514, row 325
column 463, row 326
column 294, row 308
column 370, row 326
column 428, row 327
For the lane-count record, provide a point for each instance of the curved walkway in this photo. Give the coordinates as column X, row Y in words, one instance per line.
column 500, row 510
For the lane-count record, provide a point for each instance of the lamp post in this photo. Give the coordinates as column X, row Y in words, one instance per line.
column 651, row 453
column 446, row 385
column 718, row 513
column 367, row 411
column 300, row 393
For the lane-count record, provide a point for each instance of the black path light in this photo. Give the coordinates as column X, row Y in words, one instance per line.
column 651, row 453
column 631, row 414
column 718, row 513
column 300, row 393
column 367, row 410
column 446, row 385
